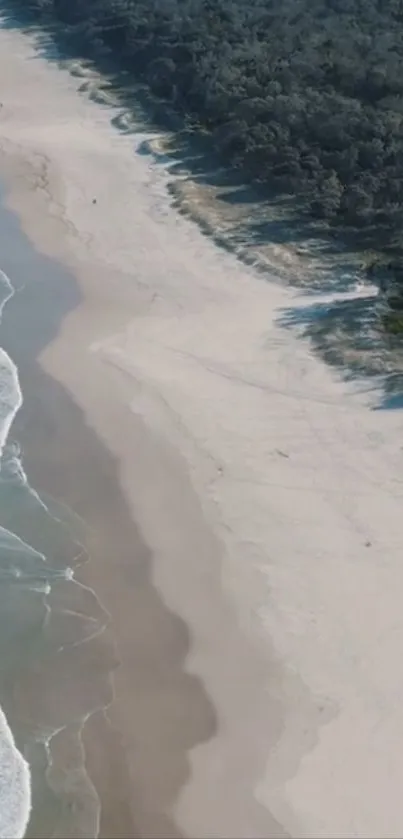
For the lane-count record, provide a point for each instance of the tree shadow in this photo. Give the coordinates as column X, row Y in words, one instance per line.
column 348, row 335
column 268, row 229
column 392, row 399
column 253, row 216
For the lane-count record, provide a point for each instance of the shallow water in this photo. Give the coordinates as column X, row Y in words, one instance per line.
column 53, row 673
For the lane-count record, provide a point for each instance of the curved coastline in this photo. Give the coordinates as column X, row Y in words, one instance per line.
column 181, row 701
column 247, row 678
column 15, row 776
column 38, row 565
column 161, row 702
column 66, row 463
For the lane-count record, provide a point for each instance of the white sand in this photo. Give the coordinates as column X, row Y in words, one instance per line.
column 297, row 622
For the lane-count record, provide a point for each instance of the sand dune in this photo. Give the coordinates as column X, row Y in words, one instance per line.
column 268, row 490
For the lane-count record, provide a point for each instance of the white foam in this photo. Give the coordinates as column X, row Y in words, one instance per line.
column 15, row 791
column 300, row 483
column 12, row 542
column 10, row 396
column 10, row 391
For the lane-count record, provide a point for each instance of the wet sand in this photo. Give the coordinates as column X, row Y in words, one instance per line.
column 166, row 711
column 244, row 503
column 138, row 751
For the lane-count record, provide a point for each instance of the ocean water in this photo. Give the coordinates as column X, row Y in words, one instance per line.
column 15, row 779
column 48, row 624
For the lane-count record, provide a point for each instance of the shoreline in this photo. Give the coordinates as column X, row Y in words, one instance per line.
column 47, row 426
column 53, row 431
column 181, row 715
column 262, row 495
column 46, row 302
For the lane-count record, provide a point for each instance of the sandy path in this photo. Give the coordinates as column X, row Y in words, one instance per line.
column 269, row 493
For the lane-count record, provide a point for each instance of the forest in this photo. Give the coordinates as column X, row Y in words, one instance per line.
column 304, row 96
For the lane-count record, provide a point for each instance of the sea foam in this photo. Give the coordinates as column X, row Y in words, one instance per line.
column 15, row 782
column 15, row 787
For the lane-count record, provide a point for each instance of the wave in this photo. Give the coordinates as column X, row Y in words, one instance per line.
column 15, row 786
column 10, row 391
column 48, row 544
column 15, row 778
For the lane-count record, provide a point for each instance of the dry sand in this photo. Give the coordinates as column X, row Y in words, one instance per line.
column 267, row 492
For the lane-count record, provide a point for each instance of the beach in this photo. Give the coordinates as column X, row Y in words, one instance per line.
column 231, row 555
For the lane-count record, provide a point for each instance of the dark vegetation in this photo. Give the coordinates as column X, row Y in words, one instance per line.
column 305, row 96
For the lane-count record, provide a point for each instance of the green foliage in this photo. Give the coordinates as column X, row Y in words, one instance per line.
column 392, row 323
column 305, row 95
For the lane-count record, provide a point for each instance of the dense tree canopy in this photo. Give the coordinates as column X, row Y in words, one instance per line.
column 305, row 95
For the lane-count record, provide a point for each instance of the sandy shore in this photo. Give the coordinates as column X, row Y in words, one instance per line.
column 250, row 557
